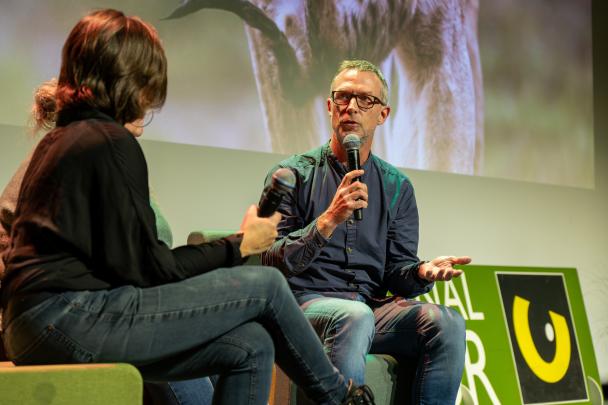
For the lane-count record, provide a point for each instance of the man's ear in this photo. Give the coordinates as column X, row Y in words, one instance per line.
column 329, row 103
column 383, row 115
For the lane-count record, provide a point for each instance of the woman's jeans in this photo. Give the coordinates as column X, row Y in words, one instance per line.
column 198, row 391
column 432, row 337
column 230, row 321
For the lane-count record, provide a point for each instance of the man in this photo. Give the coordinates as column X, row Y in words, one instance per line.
column 340, row 269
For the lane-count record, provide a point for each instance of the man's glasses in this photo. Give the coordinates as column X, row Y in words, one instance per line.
column 365, row 102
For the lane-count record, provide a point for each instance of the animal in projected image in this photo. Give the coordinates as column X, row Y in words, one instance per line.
column 427, row 49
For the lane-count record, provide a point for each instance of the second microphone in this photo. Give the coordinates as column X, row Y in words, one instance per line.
column 283, row 183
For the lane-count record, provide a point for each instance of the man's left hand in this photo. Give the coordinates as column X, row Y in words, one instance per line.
column 442, row 268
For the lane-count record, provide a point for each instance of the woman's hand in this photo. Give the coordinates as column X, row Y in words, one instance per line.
column 258, row 233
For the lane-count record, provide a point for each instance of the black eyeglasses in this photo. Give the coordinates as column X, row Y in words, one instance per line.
column 364, row 101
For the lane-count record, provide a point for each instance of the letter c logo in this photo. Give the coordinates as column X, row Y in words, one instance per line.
column 555, row 369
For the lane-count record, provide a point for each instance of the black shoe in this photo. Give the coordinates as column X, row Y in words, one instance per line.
column 361, row 395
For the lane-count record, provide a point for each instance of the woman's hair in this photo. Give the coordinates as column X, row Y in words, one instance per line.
column 44, row 114
column 112, row 63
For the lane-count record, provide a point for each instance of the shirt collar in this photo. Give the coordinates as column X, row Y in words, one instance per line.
column 337, row 165
column 70, row 115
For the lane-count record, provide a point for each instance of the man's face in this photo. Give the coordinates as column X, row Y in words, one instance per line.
column 350, row 118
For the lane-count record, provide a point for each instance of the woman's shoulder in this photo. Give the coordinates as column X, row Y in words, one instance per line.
column 91, row 139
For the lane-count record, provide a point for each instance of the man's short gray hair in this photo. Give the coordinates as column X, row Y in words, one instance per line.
column 362, row 65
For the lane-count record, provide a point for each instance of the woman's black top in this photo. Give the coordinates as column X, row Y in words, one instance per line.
column 83, row 220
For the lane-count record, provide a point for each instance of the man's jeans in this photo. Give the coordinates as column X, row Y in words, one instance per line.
column 230, row 321
column 432, row 336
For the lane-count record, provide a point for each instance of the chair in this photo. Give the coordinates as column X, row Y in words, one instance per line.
column 93, row 384
column 389, row 382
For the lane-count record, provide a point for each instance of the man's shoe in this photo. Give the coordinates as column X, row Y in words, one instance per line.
column 361, row 395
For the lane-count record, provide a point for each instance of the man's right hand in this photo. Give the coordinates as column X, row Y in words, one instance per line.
column 349, row 196
column 258, row 233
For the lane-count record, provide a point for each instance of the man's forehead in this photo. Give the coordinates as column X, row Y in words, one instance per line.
column 355, row 78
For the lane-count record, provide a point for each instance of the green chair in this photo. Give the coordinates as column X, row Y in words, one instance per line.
column 93, row 384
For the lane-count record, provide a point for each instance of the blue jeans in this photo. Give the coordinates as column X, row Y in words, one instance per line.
column 432, row 336
column 230, row 321
column 198, row 391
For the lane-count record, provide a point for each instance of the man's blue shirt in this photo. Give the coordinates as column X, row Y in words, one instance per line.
column 366, row 257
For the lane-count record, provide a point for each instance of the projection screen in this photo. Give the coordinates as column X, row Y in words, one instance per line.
column 499, row 89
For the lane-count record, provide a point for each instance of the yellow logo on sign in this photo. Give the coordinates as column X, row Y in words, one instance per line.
column 548, row 371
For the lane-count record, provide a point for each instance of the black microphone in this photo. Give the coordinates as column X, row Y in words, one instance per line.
column 283, row 183
column 351, row 143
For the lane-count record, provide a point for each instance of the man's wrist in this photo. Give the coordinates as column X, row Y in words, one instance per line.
column 420, row 270
column 325, row 225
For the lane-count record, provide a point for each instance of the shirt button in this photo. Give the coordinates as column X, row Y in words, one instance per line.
column 349, row 250
column 350, row 222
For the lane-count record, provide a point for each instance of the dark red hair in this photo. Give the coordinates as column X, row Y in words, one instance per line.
column 113, row 63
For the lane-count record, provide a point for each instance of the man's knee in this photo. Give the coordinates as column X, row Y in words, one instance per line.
column 452, row 323
column 358, row 314
column 338, row 316
column 443, row 322
column 358, row 322
column 442, row 319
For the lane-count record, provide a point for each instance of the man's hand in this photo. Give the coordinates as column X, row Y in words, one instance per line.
column 348, row 198
column 442, row 268
column 258, row 233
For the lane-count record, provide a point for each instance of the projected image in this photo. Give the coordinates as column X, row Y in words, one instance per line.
column 538, row 88
column 500, row 89
column 427, row 51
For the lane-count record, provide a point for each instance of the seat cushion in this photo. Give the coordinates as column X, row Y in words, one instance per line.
column 102, row 384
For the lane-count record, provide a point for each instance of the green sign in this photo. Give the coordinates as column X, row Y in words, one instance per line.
column 528, row 341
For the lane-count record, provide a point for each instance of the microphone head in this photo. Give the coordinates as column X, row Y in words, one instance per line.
column 351, row 141
column 284, row 180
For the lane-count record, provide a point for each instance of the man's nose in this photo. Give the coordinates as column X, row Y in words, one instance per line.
column 352, row 105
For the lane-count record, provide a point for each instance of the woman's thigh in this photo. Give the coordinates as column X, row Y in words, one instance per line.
column 141, row 325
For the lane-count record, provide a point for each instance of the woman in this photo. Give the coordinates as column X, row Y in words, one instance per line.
column 198, row 391
column 87, row 279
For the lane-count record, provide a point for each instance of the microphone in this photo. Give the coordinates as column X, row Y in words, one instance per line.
column 351, row 143
column 283, row 183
